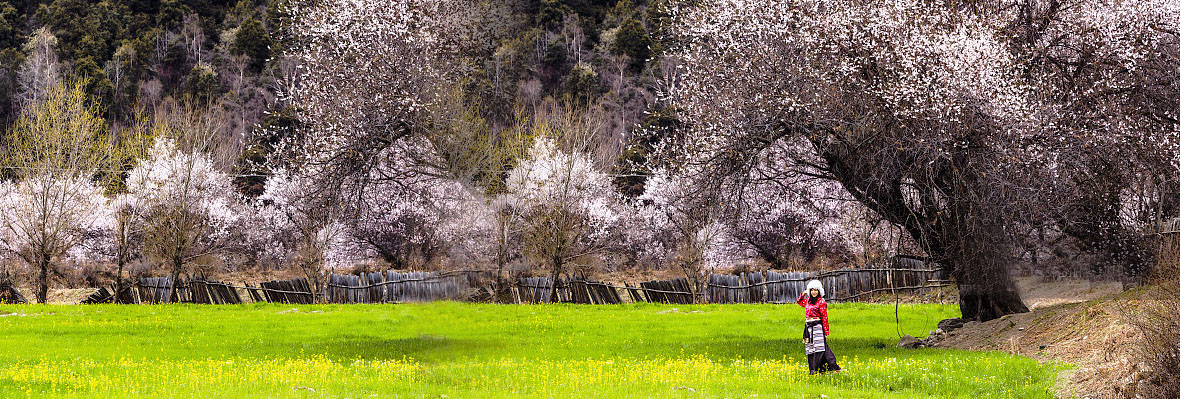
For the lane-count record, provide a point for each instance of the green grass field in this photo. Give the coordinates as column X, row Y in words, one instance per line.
column 460, row 350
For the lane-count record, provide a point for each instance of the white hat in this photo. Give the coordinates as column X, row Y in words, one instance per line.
column 815, row 284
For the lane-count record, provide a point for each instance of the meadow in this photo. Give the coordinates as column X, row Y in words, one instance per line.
column 463, row 350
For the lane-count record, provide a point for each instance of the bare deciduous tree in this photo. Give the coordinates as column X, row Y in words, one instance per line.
column 189, row 205
column 566, row 204
column 52, row 155
column 41, row 72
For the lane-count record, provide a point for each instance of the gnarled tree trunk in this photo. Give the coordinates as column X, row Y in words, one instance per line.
column 951, row 211
column 986, row 291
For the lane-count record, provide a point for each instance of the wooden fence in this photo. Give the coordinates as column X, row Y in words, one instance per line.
column 154, row 290
column 677, row 290
column 575, row 290
column 593, row 292
column 907, row 275
column 107, row 295
column 285, row 291
column 839, row 285
column 580, row 290
column 539, row 289
column 374, row 287
column 393, row 286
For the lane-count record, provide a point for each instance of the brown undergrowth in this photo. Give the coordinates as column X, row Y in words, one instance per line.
column 1103, row 338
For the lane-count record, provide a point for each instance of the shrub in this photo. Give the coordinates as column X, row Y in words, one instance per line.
column 1158, row 318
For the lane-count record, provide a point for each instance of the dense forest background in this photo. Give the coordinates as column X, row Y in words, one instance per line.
column 138, row 53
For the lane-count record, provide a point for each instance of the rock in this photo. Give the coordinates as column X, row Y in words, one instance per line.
column 909, row 342
column 940, row 331
column 948, row 325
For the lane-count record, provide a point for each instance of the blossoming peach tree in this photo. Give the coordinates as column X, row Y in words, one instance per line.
column 964, row 123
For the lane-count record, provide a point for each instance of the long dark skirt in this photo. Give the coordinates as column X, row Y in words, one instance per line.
column 820, row 358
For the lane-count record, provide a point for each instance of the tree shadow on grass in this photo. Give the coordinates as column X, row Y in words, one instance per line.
column 755, row 348
column 721, row 348
column 351, row 347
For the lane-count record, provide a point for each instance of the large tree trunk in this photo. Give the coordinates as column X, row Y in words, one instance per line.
column 986, row 292
column 983, row 303
column 978, row 253
column 951, row 213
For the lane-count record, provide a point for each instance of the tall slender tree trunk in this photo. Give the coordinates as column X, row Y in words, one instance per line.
column 119, row 279
column 43, row 289
column 557, row 266
column 501, row 293
column 177, row 263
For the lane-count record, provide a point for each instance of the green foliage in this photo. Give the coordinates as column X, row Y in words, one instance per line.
column 506, row 151
column 242, row 11
column 633, row 167
column 130, row 144
column 83, row 29
column 62, row 134
column 148, row 7
column 551, row 13
column 593, row 12
column 555, row 57
column 622, row 11
column 202, row 85
column 632, row 40
column 464, row 350
column 278, row 19
column 11, row 32
column 252, row 166
column 659, row 20
column 11, row 60
column 510, row 63
column 98, row 88
column 171, row 14
column 253, row 41
column 582, row 84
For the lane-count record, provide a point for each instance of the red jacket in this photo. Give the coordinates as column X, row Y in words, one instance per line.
column 817, row 310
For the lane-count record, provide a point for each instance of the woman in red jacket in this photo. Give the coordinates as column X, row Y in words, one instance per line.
column 820, row 358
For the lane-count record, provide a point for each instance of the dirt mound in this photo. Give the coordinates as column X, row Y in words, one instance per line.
column 1092, row 335
column 1038, row 292
column 61, row 296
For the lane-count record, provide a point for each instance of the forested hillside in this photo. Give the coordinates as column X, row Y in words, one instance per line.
column 600, row 54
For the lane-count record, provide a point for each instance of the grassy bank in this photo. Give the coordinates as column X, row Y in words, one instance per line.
column 476, row 350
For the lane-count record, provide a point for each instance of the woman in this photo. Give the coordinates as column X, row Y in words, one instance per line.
column 820, row 358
